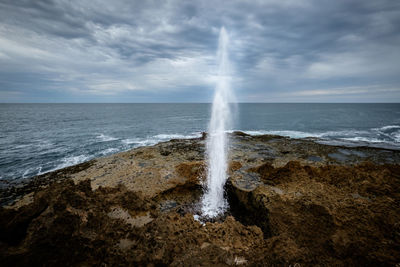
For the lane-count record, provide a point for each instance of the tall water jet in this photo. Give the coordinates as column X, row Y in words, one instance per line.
column 213, row 201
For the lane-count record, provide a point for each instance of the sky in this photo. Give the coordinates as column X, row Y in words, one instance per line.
column 165, row 51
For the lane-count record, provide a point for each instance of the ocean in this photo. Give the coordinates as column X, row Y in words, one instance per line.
column 38, row 138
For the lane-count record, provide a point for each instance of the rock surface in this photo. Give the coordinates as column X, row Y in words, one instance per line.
column 292, row 201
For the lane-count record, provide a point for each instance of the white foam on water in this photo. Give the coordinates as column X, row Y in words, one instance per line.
column 390, row 131
column 292, row 134
column 364, row 139
column 140, row 142
column 176, row 136
column 69, row 161
column 66, row 162
column 158, row 138
column 109, row 151
column 343, row 133
column 388, row 127
column 300, row 134
column 213, row 202
column 130, row 141
column 26, row 172
column 106, row 138
column 32, row 171
column 397, row 136
column 345, row 137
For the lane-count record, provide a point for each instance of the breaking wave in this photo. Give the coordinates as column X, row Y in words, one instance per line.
column 69, row 161
column 388, row 136
column 148, row 141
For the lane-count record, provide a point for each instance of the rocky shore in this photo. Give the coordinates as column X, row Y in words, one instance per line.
column 293, row 202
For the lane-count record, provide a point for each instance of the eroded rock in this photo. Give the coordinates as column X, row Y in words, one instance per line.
column 314, row 212
column 291, row 203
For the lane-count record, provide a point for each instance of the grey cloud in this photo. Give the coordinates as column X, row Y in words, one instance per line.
column 120, row 48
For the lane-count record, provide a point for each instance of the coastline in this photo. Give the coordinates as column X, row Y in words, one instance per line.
column 291, row 201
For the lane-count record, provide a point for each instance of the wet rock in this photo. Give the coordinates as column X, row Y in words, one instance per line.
column 168, row 205
column 338, row 157
column 314, row 158
column 289, row 205
column 245, row 181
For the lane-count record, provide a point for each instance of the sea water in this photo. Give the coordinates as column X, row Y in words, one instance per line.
column 37, row 138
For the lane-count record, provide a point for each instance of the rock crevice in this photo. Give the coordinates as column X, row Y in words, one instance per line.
column 291, row 202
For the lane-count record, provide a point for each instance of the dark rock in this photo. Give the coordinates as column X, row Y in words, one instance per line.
column 288, row 206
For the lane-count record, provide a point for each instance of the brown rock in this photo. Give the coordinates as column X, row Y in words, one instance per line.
column 292, row 202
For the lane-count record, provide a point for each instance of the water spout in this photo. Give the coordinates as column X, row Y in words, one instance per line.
column 213, row 201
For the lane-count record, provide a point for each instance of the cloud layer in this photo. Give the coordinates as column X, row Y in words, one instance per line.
column 164, row 51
